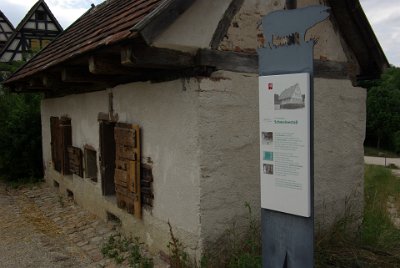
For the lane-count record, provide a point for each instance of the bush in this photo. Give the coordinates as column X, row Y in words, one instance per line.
column 20, row 134
column 396, row 142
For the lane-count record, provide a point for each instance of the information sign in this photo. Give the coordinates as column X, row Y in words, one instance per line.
column 285, row 143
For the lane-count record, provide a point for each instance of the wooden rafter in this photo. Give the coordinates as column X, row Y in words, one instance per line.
column 149, row 57
column 107, row 65
column 160, row 18
column 225, row 23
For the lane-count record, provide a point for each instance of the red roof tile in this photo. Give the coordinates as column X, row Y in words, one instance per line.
column 105, row 24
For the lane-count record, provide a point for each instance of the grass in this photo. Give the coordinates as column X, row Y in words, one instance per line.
column 377, row 228
column 236, row 249
column 127, row 250
column 371, row 151
column 377, row 243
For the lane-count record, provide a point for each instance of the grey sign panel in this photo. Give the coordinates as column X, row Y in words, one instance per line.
column 288, row 240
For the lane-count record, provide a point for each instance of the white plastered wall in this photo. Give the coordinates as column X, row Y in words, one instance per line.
column 167, row 115
column 229, row 145
column 229, row 131
column 228, row 126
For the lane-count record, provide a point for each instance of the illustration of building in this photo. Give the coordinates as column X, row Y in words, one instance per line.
column 291, row 98
column 6, row 30
column 33, row 33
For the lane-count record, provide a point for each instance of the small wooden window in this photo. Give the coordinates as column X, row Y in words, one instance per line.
column 91, row 164
column 35, row 44
column 45, row 43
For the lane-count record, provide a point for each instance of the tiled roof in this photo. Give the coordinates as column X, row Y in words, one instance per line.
column 105, row 24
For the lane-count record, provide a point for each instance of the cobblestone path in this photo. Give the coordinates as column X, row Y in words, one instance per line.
column 38, row 228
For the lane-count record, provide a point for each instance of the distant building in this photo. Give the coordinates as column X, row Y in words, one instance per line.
column 34, row 32
column 6, row 30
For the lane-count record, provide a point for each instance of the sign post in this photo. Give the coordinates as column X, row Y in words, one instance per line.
column 286, row 137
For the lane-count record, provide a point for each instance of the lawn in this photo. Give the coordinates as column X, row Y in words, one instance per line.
column 377, row 243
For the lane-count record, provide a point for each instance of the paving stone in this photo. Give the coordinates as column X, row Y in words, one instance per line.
column 95, row 255
column 89, row 247
column 96, row 239
column 82, row 243
column 102, row 230
column 58, row 257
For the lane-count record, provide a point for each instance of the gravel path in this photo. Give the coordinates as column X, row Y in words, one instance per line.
column 372, row 160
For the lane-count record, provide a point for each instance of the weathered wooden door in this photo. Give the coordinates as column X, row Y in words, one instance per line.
column 107, row 157
column 61, row 138
column 127, row 167
column 56, row 153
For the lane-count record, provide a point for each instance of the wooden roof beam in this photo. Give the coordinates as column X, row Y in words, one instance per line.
column 51, row 80
column 107, row 65
column 35, row 82
column 155, row 58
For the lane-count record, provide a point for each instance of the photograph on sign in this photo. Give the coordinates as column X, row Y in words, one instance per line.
column 289, row 98
column 285, row 143
column 267, row 138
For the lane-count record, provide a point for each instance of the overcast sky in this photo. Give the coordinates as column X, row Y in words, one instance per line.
column 384, row 16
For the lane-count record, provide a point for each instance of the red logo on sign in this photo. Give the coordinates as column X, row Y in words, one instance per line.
column 270, row 86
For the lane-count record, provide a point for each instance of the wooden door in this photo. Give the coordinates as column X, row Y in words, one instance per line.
column 127, row 167
column 107, row 157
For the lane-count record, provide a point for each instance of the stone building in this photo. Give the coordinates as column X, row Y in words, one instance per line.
column 151, row 112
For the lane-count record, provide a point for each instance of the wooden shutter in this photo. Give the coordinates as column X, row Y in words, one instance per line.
column 127, row 167
column 66, row 140
column 56, row 155
column 75, row 160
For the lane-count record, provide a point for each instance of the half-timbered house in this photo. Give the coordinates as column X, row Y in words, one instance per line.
column 34, row 32
column 6, row 30
column 151, row 112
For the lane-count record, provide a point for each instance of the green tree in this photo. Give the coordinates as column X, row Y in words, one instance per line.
column 383, row 109
column 20, row 132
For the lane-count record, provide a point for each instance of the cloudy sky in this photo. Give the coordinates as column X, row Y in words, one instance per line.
column 384, row 16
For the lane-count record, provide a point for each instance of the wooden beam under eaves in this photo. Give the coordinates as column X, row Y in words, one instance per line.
column 107, row 65
column 51, row 80
column 248, row 63
column 81, row 75
column 35, row 82
column 155, row 58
